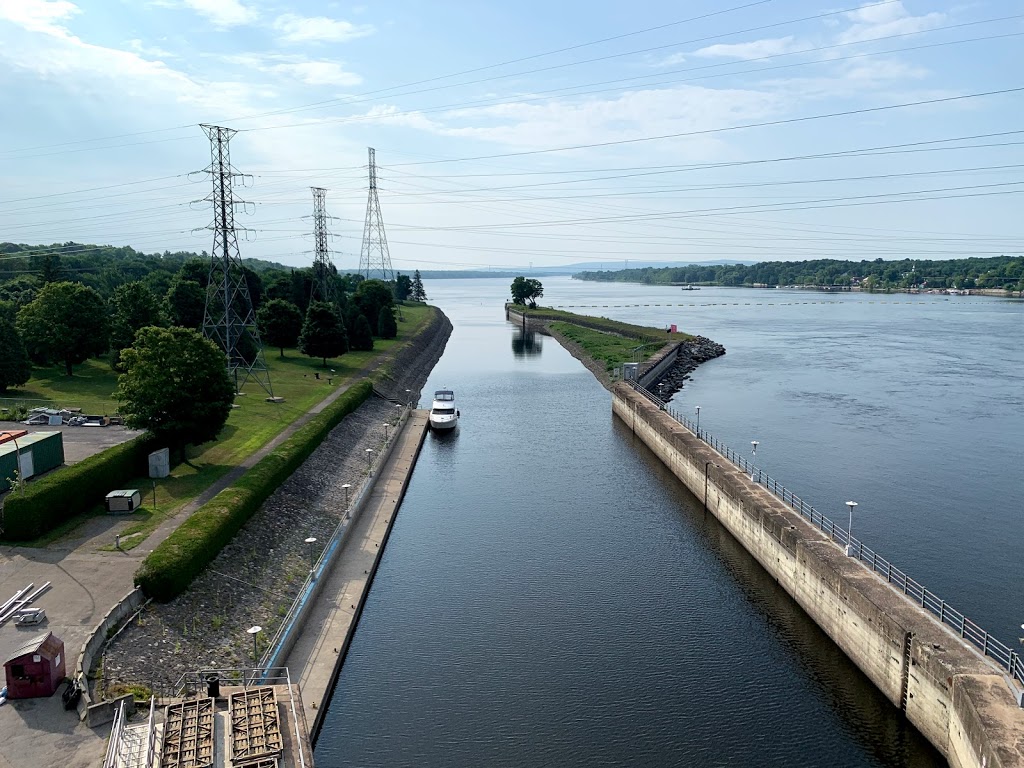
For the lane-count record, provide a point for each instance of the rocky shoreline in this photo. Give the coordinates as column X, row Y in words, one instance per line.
column 691, row 354
column 256, row 577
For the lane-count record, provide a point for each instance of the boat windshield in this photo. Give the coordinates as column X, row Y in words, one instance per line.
column 446, row 396
column 444, row 411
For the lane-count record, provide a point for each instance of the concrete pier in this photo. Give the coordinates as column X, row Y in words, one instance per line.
column 961, row 701
column 316, row 656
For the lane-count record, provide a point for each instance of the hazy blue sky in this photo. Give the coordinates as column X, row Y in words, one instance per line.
column 478, row 112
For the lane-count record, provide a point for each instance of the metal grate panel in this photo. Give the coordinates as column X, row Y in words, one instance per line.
column 255, row 726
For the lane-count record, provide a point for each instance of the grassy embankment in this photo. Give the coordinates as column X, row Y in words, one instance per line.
column 249, row 427
column 607, row 341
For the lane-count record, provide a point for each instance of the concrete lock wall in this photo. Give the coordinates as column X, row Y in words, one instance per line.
column 960, row 701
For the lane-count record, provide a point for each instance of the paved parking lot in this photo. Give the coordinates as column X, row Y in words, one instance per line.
column 79, row 442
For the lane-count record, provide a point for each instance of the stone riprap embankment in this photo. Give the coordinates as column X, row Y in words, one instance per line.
column 691, row 354
column 255, row 577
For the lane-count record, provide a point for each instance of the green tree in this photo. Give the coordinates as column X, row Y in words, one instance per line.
column 15, row 368
column 66, row 322
column 176, row 385
column 48, row 266
column 133, row 306
column 403, row 287
column 280, row 323
column 186, row 303
column 418, row 294
column 387, row 328
column 370, row 297
column 361, row 338
column 19, row 290
column 526, row 290
column 323, row 333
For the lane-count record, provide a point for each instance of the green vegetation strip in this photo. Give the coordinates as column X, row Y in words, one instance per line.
column 640, row 333
column 606, row 348
column 44, row 504
column 171, row 567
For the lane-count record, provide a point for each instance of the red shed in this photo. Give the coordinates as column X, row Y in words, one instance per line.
column 36, row 669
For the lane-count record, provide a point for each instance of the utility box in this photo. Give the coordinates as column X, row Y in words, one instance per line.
column 629, row 371
column 160, row 463
column 124, row 501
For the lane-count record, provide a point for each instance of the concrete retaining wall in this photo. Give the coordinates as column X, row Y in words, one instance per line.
column 960, row 701
column 658, row 363
column 92, row 647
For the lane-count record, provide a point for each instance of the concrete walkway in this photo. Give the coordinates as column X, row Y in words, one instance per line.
column 315, row 658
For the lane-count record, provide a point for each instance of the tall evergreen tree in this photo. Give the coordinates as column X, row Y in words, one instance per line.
column 387, row 328
column 361, row 339
column 418, row 294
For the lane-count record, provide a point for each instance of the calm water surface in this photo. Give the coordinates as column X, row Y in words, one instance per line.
column 551, row 596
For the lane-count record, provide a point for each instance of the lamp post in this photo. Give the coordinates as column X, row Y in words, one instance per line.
column 17, row 453
column 697, row 409
column 346, row 486
column 849, row 531
column 753, row 453
column 311, row 541
column 408, row 397
column 254, row 630
column 706, row 465
column 385, row 432
column 369, row 458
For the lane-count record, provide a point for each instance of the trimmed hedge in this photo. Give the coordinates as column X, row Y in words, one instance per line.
column 45, row 503
column 173, row 565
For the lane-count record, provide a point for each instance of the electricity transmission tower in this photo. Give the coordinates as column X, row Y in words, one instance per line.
column 229, row 320
column 374, row 259
column 323, row 287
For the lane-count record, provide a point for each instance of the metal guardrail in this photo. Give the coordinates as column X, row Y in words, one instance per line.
column 322, row 564
column 1007, row 658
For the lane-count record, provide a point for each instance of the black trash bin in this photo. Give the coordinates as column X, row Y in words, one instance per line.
column 213, row 687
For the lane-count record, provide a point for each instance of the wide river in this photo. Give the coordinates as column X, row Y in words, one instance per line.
column 551, row 596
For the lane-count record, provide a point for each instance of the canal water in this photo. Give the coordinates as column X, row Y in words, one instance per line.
column 550, row 595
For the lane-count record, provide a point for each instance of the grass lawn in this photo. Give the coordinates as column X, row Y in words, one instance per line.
column 611, row 349
column 641, row 333
column 249, row 427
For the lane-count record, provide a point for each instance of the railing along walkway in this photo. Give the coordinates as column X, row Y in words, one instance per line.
column 1007, row 658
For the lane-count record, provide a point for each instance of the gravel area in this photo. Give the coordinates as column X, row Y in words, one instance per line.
column 257, row 576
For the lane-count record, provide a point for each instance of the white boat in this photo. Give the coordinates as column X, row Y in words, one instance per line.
column 444, row 415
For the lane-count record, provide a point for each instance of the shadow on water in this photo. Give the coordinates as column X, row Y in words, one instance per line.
column 527, row 343
column 839, row 683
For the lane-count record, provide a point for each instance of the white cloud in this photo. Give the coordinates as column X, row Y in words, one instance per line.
column 319, row 73
column 38, row 15
column 757, row 49
column 882, row 20
column 308, row 29
column 223, row 13
column 669, row 61
column 632, row 115
column 137, row 46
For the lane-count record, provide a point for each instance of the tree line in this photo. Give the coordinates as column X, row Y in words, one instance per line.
column 998, row 272
column 62, row 304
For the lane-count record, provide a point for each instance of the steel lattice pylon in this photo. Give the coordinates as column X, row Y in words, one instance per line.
column 374, row 258
column 323, row 288
column 229, row 320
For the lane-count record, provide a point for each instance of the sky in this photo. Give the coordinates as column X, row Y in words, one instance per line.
column 516, row 134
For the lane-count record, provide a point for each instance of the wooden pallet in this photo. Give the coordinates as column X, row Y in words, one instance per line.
column 188, row 735
column 255, row 727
